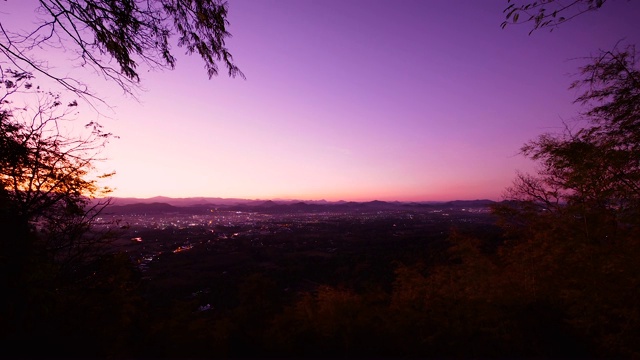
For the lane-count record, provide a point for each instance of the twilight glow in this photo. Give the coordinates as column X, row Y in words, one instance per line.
column 409, row 100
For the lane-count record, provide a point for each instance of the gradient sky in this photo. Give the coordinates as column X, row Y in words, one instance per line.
column 410, row 100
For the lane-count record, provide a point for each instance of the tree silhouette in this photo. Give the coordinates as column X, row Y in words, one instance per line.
column 572, row 227
column 127, row 32
column 46, row 170
column 547, row 13
column 594, row 172
column 48, row 247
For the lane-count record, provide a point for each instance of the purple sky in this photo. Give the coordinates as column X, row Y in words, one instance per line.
column 356, row 100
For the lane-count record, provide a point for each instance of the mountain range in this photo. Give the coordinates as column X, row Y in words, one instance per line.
column 160, row 205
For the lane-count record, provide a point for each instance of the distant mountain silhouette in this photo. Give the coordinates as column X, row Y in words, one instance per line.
column 191, row 201
column 165, row 205
column 142, row 208
column 268, row 203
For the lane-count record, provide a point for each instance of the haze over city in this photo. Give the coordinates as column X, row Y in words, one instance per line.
column 353, row 100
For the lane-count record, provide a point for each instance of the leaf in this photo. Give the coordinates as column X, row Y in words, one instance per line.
column 508, row 7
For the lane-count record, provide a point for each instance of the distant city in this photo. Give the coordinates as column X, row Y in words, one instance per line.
column 147, row 228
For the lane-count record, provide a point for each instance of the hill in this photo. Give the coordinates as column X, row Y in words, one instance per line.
column 164, row 205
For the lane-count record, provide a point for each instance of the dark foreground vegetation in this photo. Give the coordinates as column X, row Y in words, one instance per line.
column 397, row 284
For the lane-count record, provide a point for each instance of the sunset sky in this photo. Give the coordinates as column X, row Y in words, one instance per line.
column 409, row 100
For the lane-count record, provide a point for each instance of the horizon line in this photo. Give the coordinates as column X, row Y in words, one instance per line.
column 289, row 199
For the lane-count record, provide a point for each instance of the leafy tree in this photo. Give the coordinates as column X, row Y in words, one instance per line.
column 48, row 246
column 592, row 174
column 547, row 13
column 46, row 171
column 127, row 32
column 573, row 226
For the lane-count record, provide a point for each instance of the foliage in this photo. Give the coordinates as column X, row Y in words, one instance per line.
column 52, row 260
column 591, row 177
column 546, row 13
column 573, row 227
column 46, row 171
column 127, row 32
